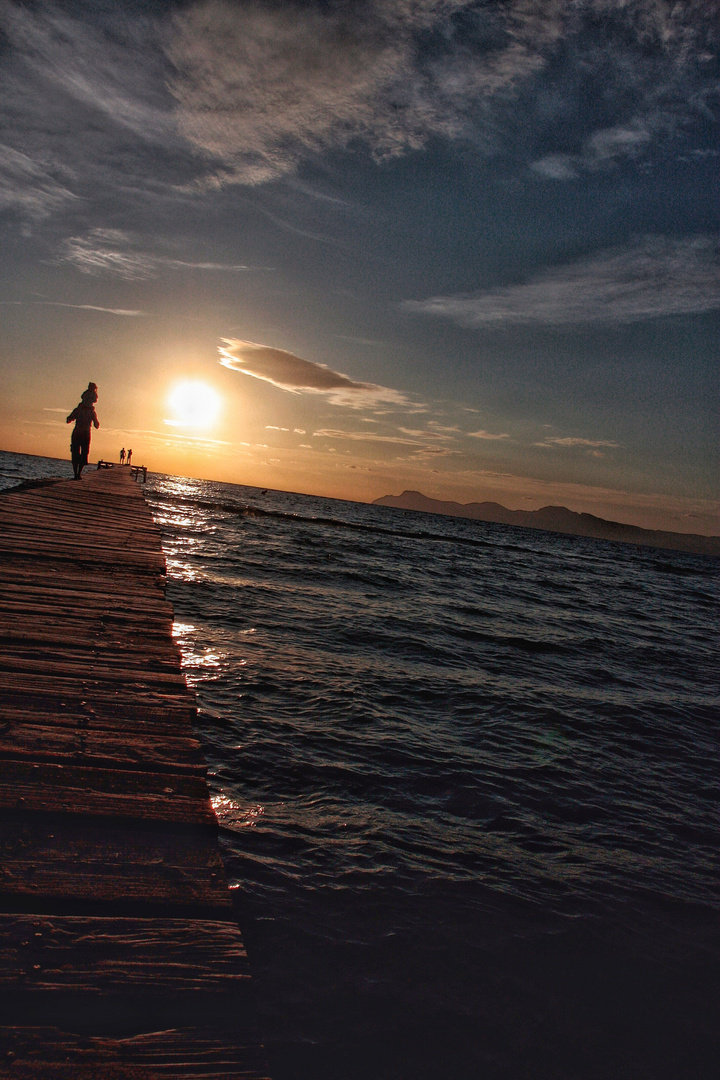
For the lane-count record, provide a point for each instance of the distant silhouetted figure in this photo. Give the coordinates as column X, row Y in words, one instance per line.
column 122, row 456
column 129, row 458
column 85, row 417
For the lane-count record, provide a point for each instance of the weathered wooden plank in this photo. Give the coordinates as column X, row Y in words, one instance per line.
column 75, row 522
column 45, row 1053
column 81, row 595
column 155, row 723
column 45, row 652
column 115, row 499
column 90, row 614
column 155, row 654
column 102, row 695
column 136, row 522
column 26, row 622
column 59, row 861
column 107, row 749
column 144, row 594
column 93, row 670
column 100, row 540
column 105, row 956
column 22, row 540
column 57, row 562
column 33, row 552
column 102, row 603
column 69, row 696
column 73, row 789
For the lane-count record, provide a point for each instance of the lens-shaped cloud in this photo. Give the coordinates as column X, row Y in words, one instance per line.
column 289, row 372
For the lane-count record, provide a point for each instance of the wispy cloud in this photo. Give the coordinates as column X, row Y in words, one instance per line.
column 82, row 92
column 31, row 185
column 91, row 307
column 112, row 66
column 575, row 441
column 599, row 151
column 486, row 435
column 289, row 372
column 591, row 447
column 260, row 86
column 191, row 96
column 167, row 438
column 362, row 436
column 115, row 253
column 649, row 278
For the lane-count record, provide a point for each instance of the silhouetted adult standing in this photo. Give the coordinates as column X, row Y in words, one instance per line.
column 122, row 456
column 85, row 418
column 129, row 457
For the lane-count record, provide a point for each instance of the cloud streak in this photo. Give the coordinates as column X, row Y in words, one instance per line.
column 575, row 441
column 85, row 110
column 650, row 278
column 92, row 307
column 289, row 372
column 362, row 436
column 111, row 252
column 31, row 185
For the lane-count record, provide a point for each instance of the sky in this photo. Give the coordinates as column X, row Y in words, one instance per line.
column 342, row 248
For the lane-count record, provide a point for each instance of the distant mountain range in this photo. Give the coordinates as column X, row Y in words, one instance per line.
column 556, row 519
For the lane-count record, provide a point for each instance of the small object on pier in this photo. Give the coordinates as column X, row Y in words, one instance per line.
column 135, row 470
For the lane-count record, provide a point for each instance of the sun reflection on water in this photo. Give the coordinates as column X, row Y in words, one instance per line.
column 231, row 815
column 199, row 664
column 180, row 570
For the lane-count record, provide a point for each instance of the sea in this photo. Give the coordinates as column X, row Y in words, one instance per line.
column 466, row 777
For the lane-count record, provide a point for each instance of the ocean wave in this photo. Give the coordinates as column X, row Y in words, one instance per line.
column 511, row 738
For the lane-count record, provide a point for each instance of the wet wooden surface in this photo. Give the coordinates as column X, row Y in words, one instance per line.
column 119, row 954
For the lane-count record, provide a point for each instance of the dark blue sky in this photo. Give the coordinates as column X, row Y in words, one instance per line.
column 468, row 248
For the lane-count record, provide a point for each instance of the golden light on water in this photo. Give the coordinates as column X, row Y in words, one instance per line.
column 193, row 404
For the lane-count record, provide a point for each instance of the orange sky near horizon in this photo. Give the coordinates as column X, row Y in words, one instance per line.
column 236, row 446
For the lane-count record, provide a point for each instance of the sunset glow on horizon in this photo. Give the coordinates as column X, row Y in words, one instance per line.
column 465, row 249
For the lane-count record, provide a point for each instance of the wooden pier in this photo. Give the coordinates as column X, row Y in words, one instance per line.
column 119, row 953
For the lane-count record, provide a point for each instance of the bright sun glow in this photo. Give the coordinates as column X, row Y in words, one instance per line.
column 194, row 404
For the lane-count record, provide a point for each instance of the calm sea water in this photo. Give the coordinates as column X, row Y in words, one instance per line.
column 467, row 782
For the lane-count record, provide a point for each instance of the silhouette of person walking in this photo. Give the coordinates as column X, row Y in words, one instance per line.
column 85, row 418
column 129, row 457
column 122, row 456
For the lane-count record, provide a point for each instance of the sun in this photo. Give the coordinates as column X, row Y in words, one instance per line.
column 193, row 404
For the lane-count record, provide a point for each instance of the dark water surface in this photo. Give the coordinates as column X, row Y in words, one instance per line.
column 467, row 781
